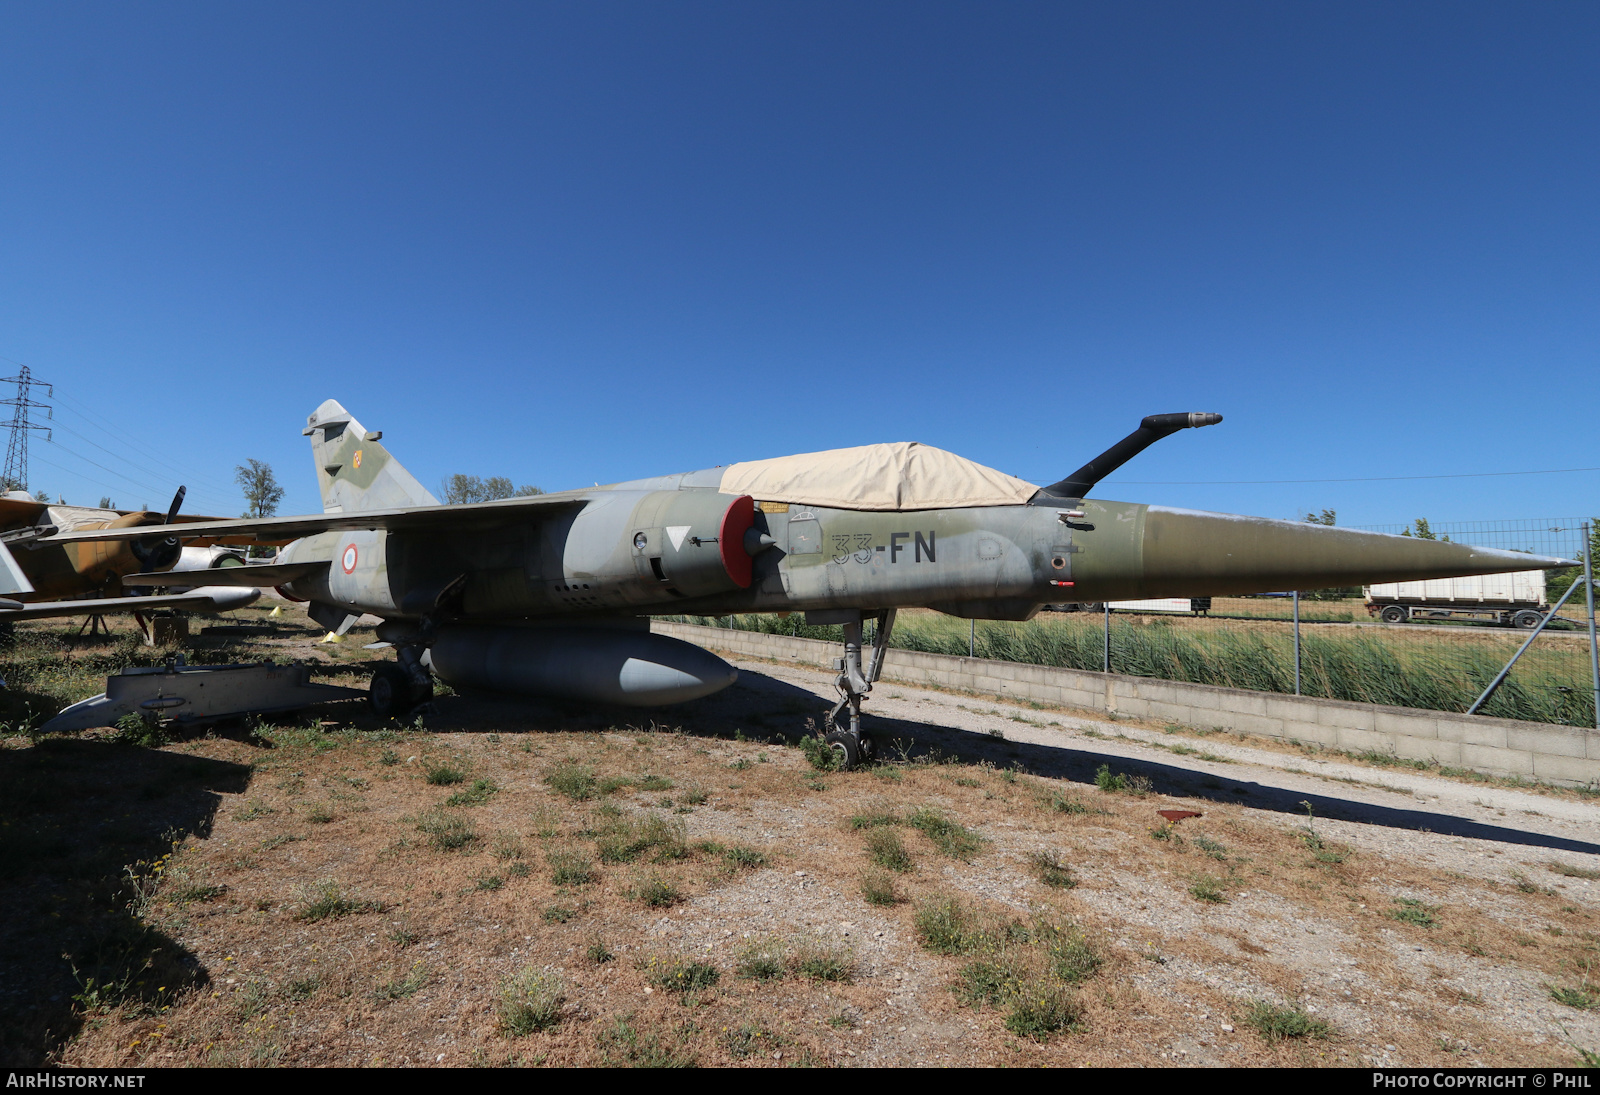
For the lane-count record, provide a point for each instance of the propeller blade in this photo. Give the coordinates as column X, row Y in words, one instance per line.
column 177, row 500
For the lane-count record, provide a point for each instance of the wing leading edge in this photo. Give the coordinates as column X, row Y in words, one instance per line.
column 270, row 529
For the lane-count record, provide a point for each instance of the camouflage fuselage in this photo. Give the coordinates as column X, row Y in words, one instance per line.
column 632, row 551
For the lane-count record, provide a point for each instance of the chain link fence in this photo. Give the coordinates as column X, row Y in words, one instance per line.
column 1346, row 651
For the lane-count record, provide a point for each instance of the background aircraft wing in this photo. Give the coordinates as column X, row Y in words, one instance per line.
column 213, row 599
column 279, row 529
column 258, row 575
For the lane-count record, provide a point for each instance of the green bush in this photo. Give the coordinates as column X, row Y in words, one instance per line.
column 819, row 754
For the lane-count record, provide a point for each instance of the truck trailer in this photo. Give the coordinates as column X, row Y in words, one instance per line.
column 1511, row 600
column 1199, row 606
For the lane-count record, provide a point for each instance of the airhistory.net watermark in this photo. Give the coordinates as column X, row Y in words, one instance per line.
column 74, row 1079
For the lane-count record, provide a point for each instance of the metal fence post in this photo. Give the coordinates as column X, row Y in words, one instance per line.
column 1588, row 581
column 972, row 638
column 1297, row 642
column 1107, row 662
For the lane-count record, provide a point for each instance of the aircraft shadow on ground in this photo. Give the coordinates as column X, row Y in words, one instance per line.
column 760, row 706
column 75, row 816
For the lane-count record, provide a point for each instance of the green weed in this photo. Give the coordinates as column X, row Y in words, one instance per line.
column 681, row 975
column 818, row 961
column 1570, row 871
column 888, row 850
column 476, row 795
column 1278, row 1023
column 530, row 1001
column 1041, row 1009
column 443, row 774
column 570, row 868
column 655, row 892
column 624, row 841
column 447, row 831
column 623, row 1044
column 878, row 889
column 401, row 987
column 950, row 837
column 1412, row 911
column 819, row 754
column 764, row 960
column 328, row 901
column 1048, row 868
column 571, row 779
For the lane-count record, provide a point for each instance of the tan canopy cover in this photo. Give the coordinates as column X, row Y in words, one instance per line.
column 903, row 475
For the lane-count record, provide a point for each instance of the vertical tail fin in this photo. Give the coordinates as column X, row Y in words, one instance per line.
column 354, row 471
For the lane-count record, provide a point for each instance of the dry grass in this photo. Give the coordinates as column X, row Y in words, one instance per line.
column 775, row 937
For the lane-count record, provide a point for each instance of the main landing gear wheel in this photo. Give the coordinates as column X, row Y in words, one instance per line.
column 389, row 694
column 394, row 693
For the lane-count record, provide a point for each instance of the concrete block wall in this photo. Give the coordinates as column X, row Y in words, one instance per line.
column 1567, row 755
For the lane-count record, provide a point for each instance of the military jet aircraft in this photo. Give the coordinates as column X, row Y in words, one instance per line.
column 84, row 578
column 551, row 594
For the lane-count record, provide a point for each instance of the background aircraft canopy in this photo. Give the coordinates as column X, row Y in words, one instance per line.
column 903, row 475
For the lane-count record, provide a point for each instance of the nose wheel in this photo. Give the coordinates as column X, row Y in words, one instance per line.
column 842, row 728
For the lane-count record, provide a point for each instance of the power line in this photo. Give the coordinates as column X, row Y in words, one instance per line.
column 105, row 427
column 203, row 494
column 222, row 501
column 146, row 487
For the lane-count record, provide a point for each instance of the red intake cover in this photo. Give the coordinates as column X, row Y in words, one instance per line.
column 738, row 519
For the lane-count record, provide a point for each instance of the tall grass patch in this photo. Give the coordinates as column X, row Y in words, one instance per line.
column 1435, row 672
column 1029, row 970
column 530, row 1001
column 625, row 840
column 1280, row 1022
column 448, row 831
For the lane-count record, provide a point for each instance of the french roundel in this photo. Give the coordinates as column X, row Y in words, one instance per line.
column 348, row 559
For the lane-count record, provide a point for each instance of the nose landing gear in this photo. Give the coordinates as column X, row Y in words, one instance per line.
column 842, row 728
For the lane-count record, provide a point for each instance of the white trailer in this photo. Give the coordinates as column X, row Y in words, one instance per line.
column 1515, row 600
column 1162, row 604
column 1196, row 605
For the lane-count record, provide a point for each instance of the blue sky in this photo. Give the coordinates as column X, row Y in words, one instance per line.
column 589, row 242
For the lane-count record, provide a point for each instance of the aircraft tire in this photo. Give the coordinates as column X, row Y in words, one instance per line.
column 389, row 694
column 844, row 747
